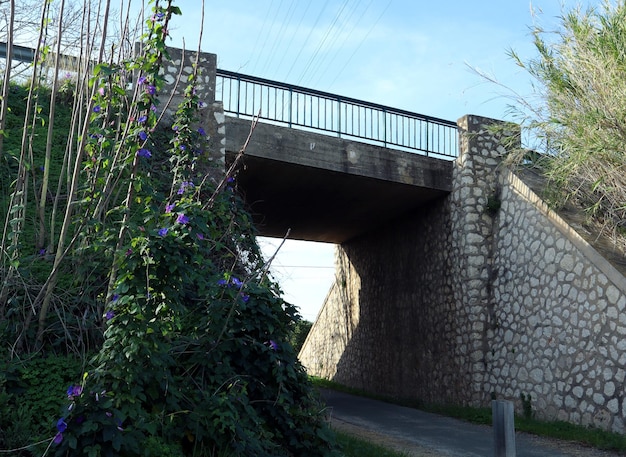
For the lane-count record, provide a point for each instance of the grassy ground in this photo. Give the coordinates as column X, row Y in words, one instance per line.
column 593, row 437
column 352, row 446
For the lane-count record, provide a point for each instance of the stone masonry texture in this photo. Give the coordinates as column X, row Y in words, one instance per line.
column 482, row 294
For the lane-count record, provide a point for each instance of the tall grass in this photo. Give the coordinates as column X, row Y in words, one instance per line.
column 578, row 113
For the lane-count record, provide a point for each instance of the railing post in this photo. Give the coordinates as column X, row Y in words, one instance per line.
column 338, row 117
column 290, row 104
column 385, row 127
column 428, row 125
column 238, row 94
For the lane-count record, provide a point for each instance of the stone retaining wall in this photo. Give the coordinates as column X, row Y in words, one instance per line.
column 483, row 293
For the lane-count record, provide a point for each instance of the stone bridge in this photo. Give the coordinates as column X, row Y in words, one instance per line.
column 455, row 283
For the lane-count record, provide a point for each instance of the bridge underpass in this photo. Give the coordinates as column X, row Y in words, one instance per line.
column 325, row 188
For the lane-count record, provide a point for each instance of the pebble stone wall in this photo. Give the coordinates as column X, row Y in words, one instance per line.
column 210, row 112
column 483, row 293
column 560, row 328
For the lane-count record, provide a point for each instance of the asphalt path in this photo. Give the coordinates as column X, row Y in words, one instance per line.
column 439, row 433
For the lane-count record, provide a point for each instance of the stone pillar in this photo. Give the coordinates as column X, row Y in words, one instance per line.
column 211, row 112
column 473, row 206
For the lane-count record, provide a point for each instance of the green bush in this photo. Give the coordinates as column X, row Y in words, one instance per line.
column 30, row 398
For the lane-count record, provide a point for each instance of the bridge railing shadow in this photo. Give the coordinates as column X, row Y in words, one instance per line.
column 295, row 106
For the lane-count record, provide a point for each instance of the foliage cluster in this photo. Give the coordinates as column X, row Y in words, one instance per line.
column 29, row 399
column 581, row 120
column 145, row 269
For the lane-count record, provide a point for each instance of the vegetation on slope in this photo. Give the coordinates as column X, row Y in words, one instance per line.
column 580, row 75
column 136, row 311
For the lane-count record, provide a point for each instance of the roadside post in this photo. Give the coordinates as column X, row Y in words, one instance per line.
column 503, row 428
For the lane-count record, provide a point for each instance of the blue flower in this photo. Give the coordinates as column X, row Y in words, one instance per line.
column 97, row 109
column 58, row 438
column 143, row 152
column 182, row 219
column 245, row 298
column 61, row 425
column 237, row 282
column 141, row 80
column 150, row 89
column 142, row 119
column 143, row 136
column 110, row 314
column 163, row 231
column 169, row 208
column 274, row 345
column 201, row 131
column 222, row 282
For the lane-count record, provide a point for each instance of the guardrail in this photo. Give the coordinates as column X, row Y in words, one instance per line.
column 294, row 106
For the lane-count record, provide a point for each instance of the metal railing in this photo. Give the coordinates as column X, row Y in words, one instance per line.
column 294, row 106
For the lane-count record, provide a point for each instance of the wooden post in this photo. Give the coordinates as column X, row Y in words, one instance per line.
column 503, row 428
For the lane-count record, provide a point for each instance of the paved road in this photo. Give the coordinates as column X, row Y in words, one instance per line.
column 449, row 436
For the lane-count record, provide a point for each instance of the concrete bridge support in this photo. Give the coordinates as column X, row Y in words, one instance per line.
column 408, row 313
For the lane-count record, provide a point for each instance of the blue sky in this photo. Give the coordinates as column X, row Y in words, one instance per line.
column 408, row 54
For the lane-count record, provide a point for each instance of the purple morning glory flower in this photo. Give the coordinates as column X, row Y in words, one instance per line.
column 182, row 219
column 184, row 185
column 230, row 180
column 143, row 136
column 237, row 282
column 274, row 345
column 245, row 298
column 222, row 282
column 97, row 109
column 74, row 391
column 202, row 104
column 61, row 425
column 115, row 297
column 144, row 153
column 141, row 80
column 169, row 208
column 162, row 232
column 150, row 89
column 200, row 236
column 110, row 314
column 142, row 119
column 58, row 438
column 201, row 131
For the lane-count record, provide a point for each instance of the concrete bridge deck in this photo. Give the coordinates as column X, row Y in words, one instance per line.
column 325, row 188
